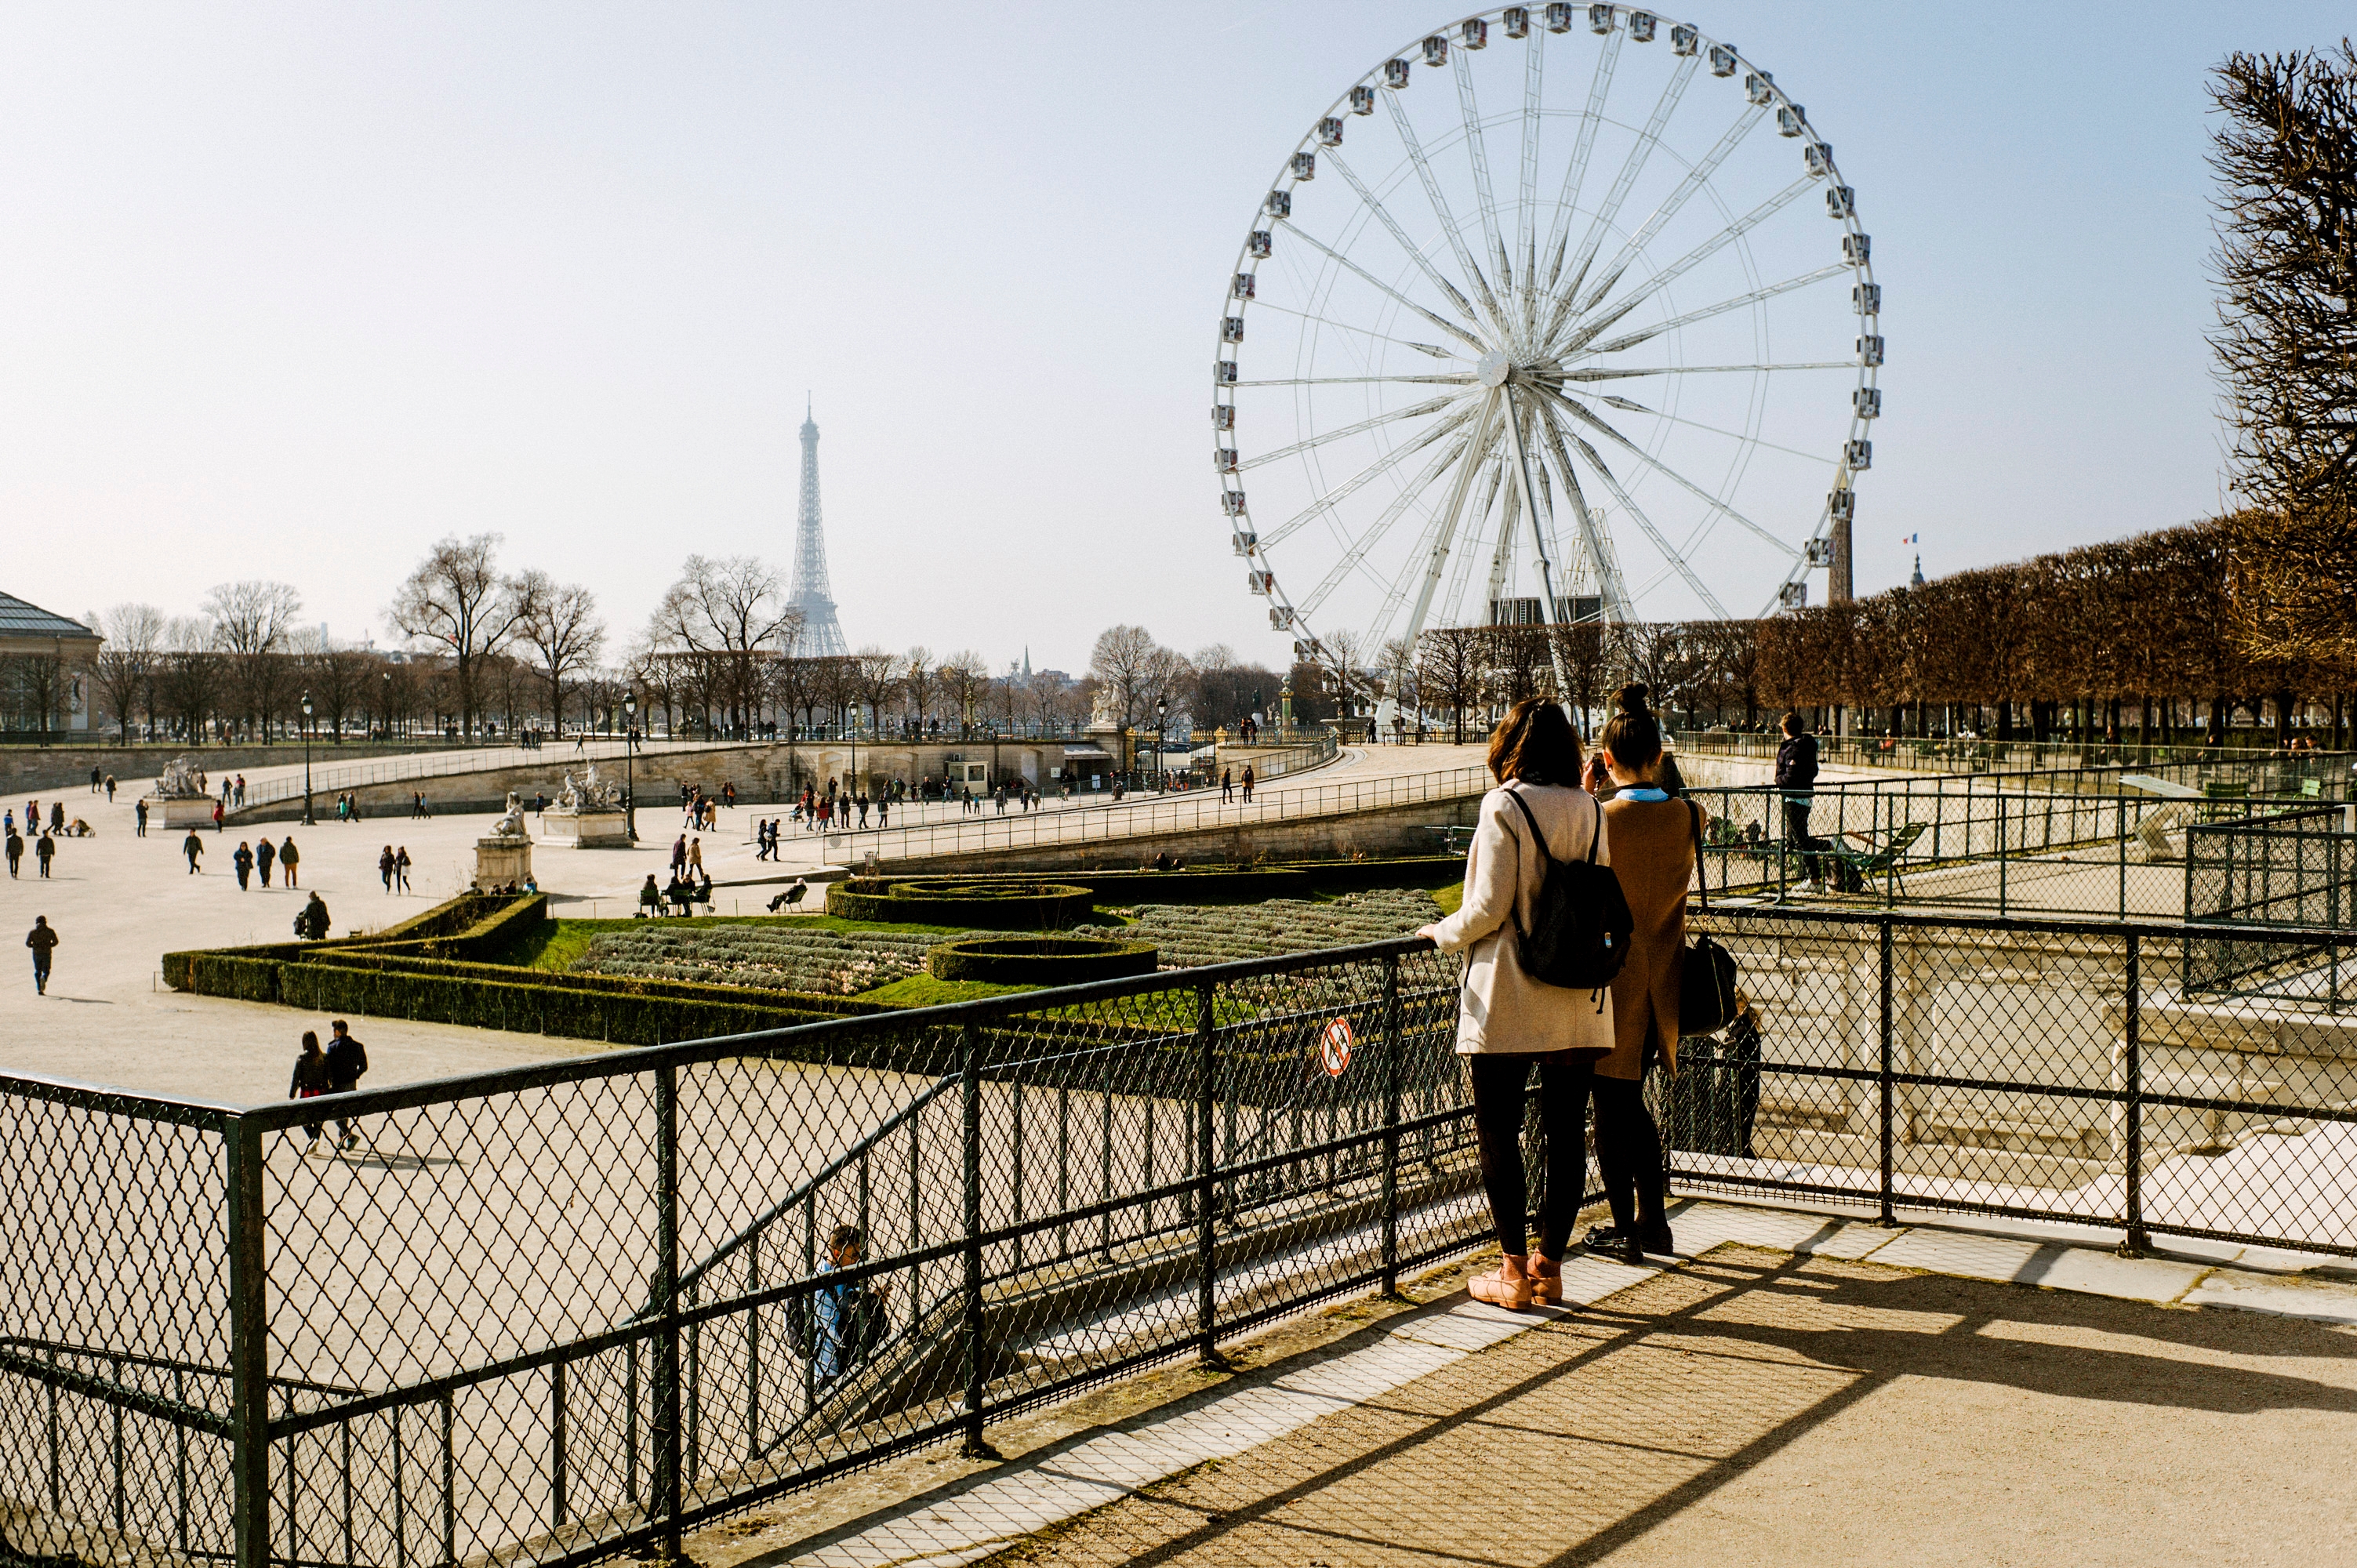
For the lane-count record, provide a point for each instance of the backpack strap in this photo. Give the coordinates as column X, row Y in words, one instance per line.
column 1538, row 837
column 1514, row 906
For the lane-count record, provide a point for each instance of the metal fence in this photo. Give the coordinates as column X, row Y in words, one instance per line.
column 556, row 1314
column 1192, row 811
column 1986, row 842
column 330, row 777
column 1926, row 756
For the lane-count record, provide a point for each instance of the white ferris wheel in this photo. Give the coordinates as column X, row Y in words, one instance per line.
column 1561, row 313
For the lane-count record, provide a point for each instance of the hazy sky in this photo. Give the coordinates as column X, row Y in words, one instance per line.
column 292, row 291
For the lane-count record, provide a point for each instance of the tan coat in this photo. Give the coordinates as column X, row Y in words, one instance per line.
column 1655, row 840
column 1500, row 1008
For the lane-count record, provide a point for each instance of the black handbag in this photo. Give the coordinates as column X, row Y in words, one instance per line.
column 1706, row 984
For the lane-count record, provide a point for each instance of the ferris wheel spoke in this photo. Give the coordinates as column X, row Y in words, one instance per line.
column 1390, row 225
column 1380, row 465
column 1477, row 451
column 1575, row 175
column 1632, row 166
column 1405, row 130
column 1359, row 547
column 1630, row 341
column 1375, row 282
column 1477, row 152
column 1526, row 207
column 1623, row 402
column 1452, row 607
column 1589, row 417
column 1417, row 411
column 1628, row 503
column 1615, row 373
column 1465, row 380
column 1434, row 349
column 1692, row 259
column 1634, row 246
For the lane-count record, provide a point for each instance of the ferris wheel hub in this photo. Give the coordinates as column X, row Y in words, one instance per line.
column 1492, row 369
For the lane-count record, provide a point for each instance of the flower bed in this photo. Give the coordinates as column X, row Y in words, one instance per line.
column 765, row 958
column 1040, row 960
column 1189, row 935
column 998, row 906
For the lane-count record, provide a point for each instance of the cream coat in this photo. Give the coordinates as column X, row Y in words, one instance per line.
column 1500, row 1008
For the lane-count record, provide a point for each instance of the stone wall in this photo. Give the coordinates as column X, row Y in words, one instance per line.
column 1389, row 831
column 42, row 769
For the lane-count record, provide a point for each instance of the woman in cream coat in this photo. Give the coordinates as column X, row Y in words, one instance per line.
column 1507, row 1022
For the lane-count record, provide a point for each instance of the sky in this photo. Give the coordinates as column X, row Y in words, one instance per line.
column 292, row 292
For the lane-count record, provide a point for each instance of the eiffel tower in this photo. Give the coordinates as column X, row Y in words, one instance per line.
column 820, row 637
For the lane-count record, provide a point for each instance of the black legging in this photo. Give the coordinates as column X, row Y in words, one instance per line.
column 1500, row 1081
column 1627, row 1146
column 1629, row 1152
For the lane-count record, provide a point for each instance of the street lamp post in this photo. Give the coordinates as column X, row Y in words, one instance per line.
column 306, row 761
column 1161, row 757
column 630, row 764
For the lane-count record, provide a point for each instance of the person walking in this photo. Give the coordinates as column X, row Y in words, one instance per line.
column 347, row 1064
column 15, row 850
column 1509, row 1021
column 1796, row 778
column 45, row 850
column 57, row 816
column 289, row 861
column 219, row 816
column 1248, row 781
column 265, row 854
column 139, row 811
column 43, row 940
column 192, row 846
column 110, row 788
column 1653, row 837
column 678, row 854
column 400, row 869
column 309, row 1082
column 694, row 856
column 242, row 859
column 1227, row 786
column 384, row 867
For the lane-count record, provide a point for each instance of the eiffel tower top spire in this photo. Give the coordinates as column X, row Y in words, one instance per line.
column 821, row 636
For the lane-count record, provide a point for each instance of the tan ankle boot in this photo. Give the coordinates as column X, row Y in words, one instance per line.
column 1510, row 1287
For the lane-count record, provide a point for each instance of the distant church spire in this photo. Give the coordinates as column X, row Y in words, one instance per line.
column 1917, row 580
column 821, row 636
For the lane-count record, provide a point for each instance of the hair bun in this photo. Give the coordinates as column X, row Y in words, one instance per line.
column 1630, row 700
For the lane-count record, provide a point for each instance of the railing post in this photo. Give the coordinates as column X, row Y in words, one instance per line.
column 1391, row 1049
column 665, row 1417
column 976, row 1365
column 1207, row 1303
column 249, row 1349
column 1889, row 1097
column 2135, row 1242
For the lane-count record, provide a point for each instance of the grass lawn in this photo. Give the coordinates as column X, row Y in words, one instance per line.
column 925, row 991
column 1449, row 899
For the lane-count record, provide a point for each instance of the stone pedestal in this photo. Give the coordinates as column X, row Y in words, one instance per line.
column 180, row 811
column 501, row 862
column 586, row 829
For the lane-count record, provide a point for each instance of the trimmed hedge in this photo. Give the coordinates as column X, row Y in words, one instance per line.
column 1040, row 960
column 1032, row 904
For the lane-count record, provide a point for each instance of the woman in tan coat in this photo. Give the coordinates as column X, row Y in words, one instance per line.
column 1653, row 836
column 1507, row 1022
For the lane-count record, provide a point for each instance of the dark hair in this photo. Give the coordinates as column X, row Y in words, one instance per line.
column 1790, row 721
column 310, row 1041
column 1633, row 735
column 843, row 1236
column 1536, row 743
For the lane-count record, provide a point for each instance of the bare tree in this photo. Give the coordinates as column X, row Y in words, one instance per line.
column 2285, row 156
column 127, row 660
column 251, row 623
column 1450, row 674
column 457, row 602
column 1137, row 670
column 560, row 625
column 879, row 679
column 917, row 679
column 963, row 675
column 731, row 609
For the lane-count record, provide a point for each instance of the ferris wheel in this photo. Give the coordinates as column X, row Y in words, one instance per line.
column 1561, row 313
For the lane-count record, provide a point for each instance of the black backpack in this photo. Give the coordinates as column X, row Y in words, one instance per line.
column 1580, row 927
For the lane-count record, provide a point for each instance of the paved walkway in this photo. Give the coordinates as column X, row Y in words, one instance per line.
column 1796, row 1388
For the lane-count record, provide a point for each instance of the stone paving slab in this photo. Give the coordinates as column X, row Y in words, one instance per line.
column 998, row 1511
